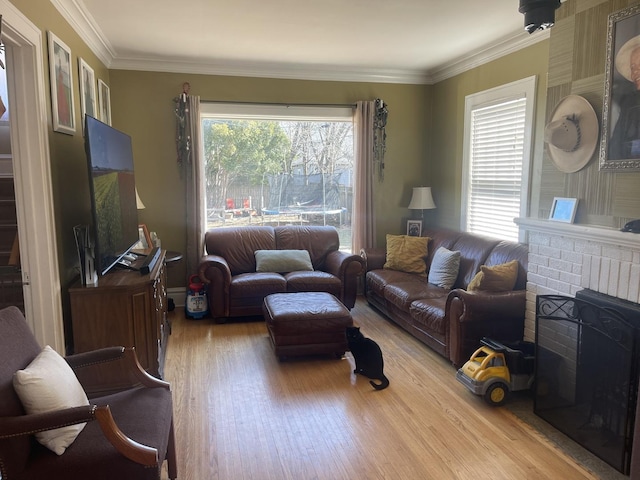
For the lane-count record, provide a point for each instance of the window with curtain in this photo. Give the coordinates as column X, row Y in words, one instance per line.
column 497, row 157
column 278, row 164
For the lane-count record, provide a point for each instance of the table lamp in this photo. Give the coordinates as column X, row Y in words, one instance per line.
column 421, row 200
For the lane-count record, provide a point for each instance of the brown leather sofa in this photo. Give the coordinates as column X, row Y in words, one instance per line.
column 451, row 322
column 234, row 287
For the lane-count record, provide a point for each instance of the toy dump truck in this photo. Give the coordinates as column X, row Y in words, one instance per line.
column 495, row 369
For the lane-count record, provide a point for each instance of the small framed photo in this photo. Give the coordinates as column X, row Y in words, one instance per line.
column 61, row 75
column 563, row 209
column 104, row 102
column 414, row 228
column 87, row 89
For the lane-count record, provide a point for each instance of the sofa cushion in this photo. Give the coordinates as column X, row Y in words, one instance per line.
column 48, row 383
column 249, row 289
column 430, row 314
column 406, row 254
column 376, row 280
column 401, row 294
column 314, row 281
column 497, row 278
column 444, row 268
column 282, row 261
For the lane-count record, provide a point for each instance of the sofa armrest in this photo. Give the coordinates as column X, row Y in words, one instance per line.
column 374, row 258
column 341, row 264
column 477, row 314
column 214, row 271
column 347, row 267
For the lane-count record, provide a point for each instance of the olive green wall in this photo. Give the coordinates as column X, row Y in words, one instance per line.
column 448, row 122
column 142, row 106
column 68, row 161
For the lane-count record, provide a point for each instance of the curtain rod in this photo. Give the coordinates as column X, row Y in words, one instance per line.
column 336, row 105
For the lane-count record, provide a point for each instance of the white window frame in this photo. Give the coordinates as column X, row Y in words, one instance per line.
column 526, row 88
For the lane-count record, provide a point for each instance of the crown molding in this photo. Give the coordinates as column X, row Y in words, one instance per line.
column 506, row 45
column 86, row 27
column 271, row 70
column 89, row 31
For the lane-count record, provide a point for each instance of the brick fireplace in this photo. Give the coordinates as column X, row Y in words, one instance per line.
column 565, row 258
column 586, row 353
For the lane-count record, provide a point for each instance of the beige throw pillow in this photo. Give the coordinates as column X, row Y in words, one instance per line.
column 498, row 278
column 406, row 253
column 48, row 384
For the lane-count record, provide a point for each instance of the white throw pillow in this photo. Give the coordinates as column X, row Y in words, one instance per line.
column 444, row 268
column 47, row 384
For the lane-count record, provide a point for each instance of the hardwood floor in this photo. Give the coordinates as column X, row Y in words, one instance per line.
column 242, row 414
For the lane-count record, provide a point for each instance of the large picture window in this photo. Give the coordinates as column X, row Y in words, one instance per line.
column 275, row 165
column 497, row 157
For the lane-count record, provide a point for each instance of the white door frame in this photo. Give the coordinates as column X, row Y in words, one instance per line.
column 29, row 127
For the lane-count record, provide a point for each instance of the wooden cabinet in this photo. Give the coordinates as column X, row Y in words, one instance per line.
column 127, row 309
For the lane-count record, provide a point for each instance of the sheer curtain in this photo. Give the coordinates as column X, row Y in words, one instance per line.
column 363, row 226
column 194, row 188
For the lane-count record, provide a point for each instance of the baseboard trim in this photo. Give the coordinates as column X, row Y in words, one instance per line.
column 179, row 294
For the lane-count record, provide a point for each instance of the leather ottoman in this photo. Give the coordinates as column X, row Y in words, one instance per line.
column 306, row 323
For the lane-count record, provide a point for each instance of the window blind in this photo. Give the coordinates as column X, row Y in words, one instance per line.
column 496, row 165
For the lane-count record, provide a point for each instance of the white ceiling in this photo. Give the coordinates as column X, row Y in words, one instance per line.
column 400, row 41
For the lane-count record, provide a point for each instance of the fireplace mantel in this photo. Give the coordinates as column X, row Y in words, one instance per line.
column 592, row 233
column 565, row 258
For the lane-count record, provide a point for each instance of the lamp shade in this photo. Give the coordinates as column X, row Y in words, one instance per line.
column 421, row 199
column 139, row 203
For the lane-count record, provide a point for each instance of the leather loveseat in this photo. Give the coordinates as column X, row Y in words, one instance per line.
column 451, row 321
column 236, row 289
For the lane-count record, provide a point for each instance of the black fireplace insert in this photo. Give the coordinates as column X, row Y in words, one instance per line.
column 586, row 378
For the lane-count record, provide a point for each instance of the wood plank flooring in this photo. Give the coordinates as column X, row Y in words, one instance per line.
column 242, row 414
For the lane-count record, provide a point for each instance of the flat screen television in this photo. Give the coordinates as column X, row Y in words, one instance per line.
column 113, row 192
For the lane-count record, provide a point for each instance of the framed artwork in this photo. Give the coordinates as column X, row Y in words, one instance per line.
column 87, row 90
column 620, row 140
column 61, row 76
column 144, row 241
column 414, row 228
column 104, row 102
column 563, row 209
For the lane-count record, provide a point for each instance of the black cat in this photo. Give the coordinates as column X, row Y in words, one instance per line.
column 368, row 357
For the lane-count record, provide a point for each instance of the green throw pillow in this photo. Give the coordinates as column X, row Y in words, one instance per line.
column 282, row 261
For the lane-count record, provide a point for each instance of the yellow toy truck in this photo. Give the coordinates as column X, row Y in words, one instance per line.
column 495, row 369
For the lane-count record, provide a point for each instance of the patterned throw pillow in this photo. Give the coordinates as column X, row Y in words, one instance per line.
column 444, row 268
column 407, row 253
column 499, row 278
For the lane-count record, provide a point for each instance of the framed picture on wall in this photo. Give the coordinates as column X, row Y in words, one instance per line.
column 104, row 102
column 620, row 139
column 414, row 228
column 563, row 209
column 87, row 89
column 61, row 76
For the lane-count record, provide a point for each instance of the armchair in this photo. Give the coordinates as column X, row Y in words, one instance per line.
column 129, row 419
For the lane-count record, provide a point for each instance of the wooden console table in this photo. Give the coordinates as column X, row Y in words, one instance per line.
column 124, row 309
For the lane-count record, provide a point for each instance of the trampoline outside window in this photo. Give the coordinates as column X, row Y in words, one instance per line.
column 278, row 165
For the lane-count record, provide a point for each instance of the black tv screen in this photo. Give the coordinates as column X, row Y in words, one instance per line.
column 113, row 192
